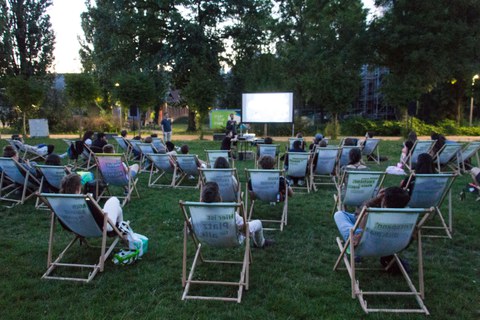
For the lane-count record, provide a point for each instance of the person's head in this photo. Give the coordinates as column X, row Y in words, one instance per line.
column 9, row 152
column 268, row 140
column 221, row 163
column 424, row 164
column 123, row 133
column 322, row 144
column 299, row 135
column 266, row 162
column 354, row 156
column 395, row 197
column 412, row 136
column 108, row 148
column 369, row 135
column 71, row 184
column 318, row 137
column 101, row 136
column 350, row 142
column 231, row 116
column 53, row 160
column 137, row 138
column 297, row 144
column 407, row 146
column 170, row 146
column 166, row 115
column 87, row 135
column 154, row 135
column 148, row 140
column 211, row 193
column 434, row 136
column 184, row 149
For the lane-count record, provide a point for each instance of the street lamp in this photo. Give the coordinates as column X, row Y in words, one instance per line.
column 475, row 77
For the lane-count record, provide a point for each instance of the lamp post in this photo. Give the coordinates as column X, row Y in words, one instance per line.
column 475, row 77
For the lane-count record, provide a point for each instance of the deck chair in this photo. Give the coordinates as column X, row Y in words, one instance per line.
column 188, row 165
column 162, row 166
column 268, row 150
column 325, row 168
column 344, row 157
column 212, row 156
column 470, row 151
column 292, row 140
column 387, row 232
column 123, row 146
column 420, row 146
column 356, row 187
column 212, row 227
column 145, row 148
column 449, row 156
column 86, row 160
column 371, row 150
column 430, row 190
column 111, row 169
column 16, row 179
column 298, row 168
column 26, row 151
column 265, row 186
column 227, row 180
column 82, row 216
column 51, row 181
column 136, row 149
column 159, row 145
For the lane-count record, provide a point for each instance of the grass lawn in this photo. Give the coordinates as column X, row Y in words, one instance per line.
column 291, row 280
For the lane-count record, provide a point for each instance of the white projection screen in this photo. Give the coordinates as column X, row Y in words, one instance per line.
column 267, row 107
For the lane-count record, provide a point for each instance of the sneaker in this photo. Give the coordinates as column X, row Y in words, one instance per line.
column 301, row 183
column 190, row 177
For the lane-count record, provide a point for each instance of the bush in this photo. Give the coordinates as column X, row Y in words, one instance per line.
column 332, row 130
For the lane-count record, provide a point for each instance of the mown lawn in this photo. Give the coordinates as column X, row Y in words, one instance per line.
column 291, row 280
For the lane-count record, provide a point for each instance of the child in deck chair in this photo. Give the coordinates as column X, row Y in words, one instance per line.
column 211, row 193
column 72, row 184
column 109, row 148
column 267, row 162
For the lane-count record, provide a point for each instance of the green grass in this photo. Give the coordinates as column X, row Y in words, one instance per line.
column 291, row 280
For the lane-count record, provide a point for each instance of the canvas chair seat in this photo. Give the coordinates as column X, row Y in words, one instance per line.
column 449, row 156
column 51, row 181
column 145, row 148
column 292, row 140
column 371, row 149
column 123, row 146
column 227, row 180
column 430, row 190
column 356, row 187
column 212, row 156
column 387, row 232
column 188, row 165
column 327, row 160
column 159, row 145
column 112, row 171
column 16, row 181
column 81, row 215
column 162, row 166
column 212, row 227
column 470, row 151
column 265, row 186
column 419, row 147
column 344, row 158
column 298, row 168
column 271, row 150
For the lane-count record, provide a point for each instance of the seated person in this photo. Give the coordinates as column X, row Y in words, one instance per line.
column 222, row 163
column 99, row 143
column 211, row 193
column 185, row 150
column 439, row 143
column 296, row 147
column 41, row 149
column 350, row 142
column 227, row 143
column 392, row 197
column 170, row 148
column 268, row 163
column 316, row 140
column 123, row 134
column 355, row 160
column 475, row 173
column 87, row 137
column 10, row 152
column 406, row 149
column 299, row 135
column 148, row 139
column 424, row 165
column 72, row 184
column 53, row 160
column 134, row 168
column 267, row 140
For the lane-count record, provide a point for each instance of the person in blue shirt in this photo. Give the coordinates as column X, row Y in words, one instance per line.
column 166, row 127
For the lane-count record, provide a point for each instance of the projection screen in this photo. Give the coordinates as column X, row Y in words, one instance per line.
column 267, row 107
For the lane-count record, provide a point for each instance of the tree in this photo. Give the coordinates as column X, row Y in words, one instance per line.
column 81, row 90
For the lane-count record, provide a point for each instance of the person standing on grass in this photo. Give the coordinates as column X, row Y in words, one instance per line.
column 166, row 127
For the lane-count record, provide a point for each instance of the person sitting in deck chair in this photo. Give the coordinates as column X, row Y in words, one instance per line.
column 72, row 184
column 355, row 160
column 211, row 193
column 186, row 150
column 10, row 152
column 267, row 163
column 424, row 165
column 133, row 169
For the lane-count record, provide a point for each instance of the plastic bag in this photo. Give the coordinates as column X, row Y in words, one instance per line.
column 136, row 241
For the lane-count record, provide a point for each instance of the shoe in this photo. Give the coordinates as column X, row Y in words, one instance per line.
column 301, row 183
column 268, row 243
column 190, row 177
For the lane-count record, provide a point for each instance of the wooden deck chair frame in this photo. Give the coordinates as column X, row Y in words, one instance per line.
column 123, row 146
column 213, row 224
column 229, row 191
column 84, row 225
column 188, row 165
column 162, row 164
column 270, row 185
column 469, row 151
column 425, row 196
column 371, row 149
column 112, row 169
column 272, row 150
column 158, row 144
column 369, row 182
column 326, row 167
column 449, row 156
column 88, row 158
column 15, row 178
column 212, row 156
column 419, row 147
column 52, row 177
column 145, row 148
column 298, row 163
column 378, row 229
column 134, row 144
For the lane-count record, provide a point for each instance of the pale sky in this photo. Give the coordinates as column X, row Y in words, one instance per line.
column 65, row 18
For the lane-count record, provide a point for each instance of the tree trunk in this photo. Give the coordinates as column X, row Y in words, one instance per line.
column 191, row 121
column 459, row 105
column 24, row 125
